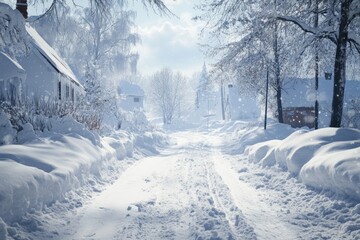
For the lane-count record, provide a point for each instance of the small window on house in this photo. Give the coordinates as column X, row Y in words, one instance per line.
column 72, row 94
column 136, row 99
column 59, row 90
column 67, row 93
column 13, row 94
column 2, row 90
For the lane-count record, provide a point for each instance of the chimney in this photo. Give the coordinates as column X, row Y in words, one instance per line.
column 21, row 6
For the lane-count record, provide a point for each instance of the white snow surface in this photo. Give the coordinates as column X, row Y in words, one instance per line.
column 44, row 166
column 226, row 181
column 327, row 158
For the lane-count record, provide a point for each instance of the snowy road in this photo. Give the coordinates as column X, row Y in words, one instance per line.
column 189, row 191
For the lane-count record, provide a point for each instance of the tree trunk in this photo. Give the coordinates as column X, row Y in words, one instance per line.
column 340, row 66
column 278, row 85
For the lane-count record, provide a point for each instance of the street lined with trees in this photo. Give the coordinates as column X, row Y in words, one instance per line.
column 251, row 37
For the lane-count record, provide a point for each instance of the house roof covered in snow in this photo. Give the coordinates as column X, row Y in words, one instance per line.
column 9, row 68
column 130, row 89
column 50, row 55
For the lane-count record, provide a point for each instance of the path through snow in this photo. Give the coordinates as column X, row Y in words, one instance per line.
column 189, row 191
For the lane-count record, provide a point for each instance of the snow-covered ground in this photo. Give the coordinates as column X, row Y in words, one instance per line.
column 222, row 182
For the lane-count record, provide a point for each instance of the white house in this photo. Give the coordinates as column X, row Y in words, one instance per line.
column 12, row 76
column 48, row 75
column 241, row 106
column 131, row 95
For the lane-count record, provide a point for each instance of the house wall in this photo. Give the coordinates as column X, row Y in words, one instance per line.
column 41, row 79
column 241, row 106
column 69, row 90
column 130, row 103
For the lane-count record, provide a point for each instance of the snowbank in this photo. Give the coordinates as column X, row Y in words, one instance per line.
column 263, row 153
column 44, row 166
column 254, row 134
column 43, row 169
column 327, row 158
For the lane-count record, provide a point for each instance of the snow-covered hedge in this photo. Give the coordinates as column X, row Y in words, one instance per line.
column 327, row 158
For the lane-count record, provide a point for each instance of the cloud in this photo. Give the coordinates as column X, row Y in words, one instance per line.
column 171, row 45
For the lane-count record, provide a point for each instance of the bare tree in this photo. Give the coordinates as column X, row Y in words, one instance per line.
column 167, row 93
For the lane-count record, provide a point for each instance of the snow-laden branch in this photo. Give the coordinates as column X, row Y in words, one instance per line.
column 354, row 40
column 304, row 26
column 354, row 11
column 309, row 29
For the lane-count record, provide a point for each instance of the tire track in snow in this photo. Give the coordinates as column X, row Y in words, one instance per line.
column 219, row 217
column 266, row 223
column 179, row 194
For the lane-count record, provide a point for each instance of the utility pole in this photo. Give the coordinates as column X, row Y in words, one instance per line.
column 316, row 24
column 266, row 97
column 222, row 100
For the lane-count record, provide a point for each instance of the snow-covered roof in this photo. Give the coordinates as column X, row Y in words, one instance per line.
column 51, row 55
column 130, row 89
column 9, row 68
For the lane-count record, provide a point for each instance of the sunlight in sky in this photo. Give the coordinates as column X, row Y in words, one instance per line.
column 169, row 41
column 166, row 41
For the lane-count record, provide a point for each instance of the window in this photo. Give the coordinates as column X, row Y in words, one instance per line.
column 72, row 95
column 136, row 99
column 13, row 94
column 67, row 91
column 2, row 90
column 59, row 90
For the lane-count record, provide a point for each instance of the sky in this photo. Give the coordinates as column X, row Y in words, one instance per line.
column 166, row 41
column 169, row 41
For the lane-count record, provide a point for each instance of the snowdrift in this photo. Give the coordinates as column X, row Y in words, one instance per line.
column 250, row 135
column 40, row 171
column 44, row 166
column 327, row 158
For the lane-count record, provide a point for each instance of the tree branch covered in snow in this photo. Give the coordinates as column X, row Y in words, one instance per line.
column 103, row 6
column 319, row 33
column 13, row 37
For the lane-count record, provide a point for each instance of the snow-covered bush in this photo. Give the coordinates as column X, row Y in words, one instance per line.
column 134, row 121
column 7, row 133
column 41, row 115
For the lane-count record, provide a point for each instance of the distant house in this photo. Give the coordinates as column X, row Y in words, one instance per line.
column 132, row 96
column 298, row 98
column 241, row 106
column 299, row 116
column 48, row 75
column 12, row 76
